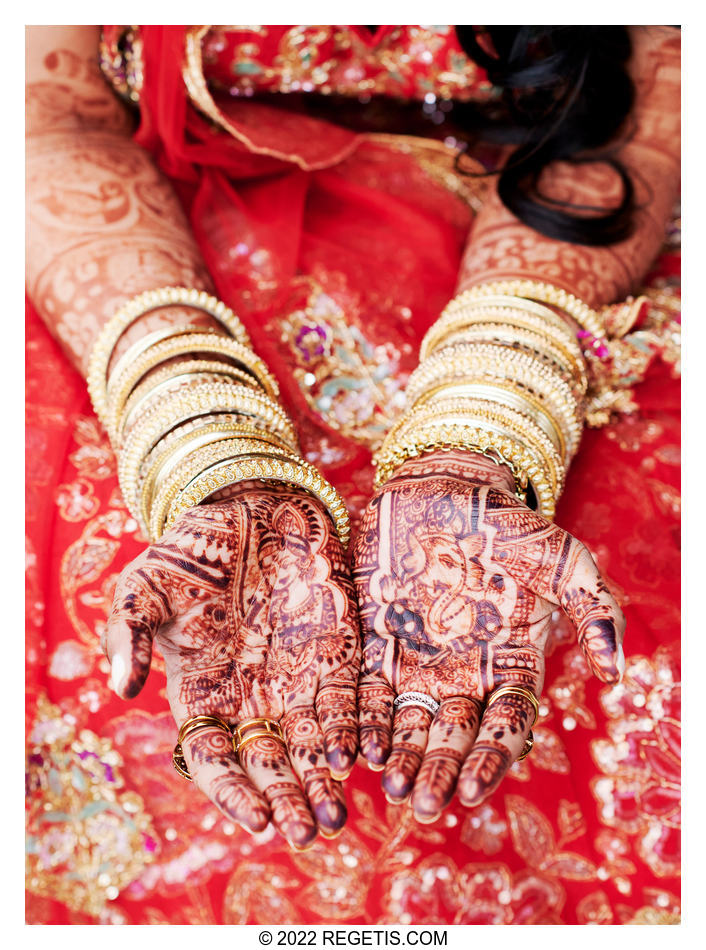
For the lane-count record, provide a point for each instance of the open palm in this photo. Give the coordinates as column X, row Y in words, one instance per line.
column 252, row 607
column 456, row 583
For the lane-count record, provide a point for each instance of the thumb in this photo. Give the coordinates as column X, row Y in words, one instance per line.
column 140, row 607
column 558, row 567
column 596, row 615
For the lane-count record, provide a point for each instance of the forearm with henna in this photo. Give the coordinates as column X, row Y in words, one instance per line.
column 103, row 223
column 502, row 247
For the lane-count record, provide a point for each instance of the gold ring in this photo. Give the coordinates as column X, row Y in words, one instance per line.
column 529, row 742
column 179, row 763
column 256, row 728
column 196, row 723
column 188, row 728
column 511, row 689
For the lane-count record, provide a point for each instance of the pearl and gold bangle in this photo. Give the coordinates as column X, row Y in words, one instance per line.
column 204, row 342
column 164, row 462
column 137, row 307
column 175, row 376
column 197, row 425
column 584, row 315
column 295, row 472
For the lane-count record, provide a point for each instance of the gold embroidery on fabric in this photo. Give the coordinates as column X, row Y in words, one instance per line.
column 122, row 64
column 437, row 160
column 356, row 386
column 87, row 836
column 639, row 791
column 405, row 63
column 201, row 97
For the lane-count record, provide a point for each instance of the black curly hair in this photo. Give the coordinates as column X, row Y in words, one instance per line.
column 563, row 93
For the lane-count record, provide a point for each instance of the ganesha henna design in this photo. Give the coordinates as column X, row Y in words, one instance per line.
column 456, row 583
column 253, row 608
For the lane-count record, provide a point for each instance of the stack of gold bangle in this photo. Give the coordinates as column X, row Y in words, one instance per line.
column 501, row 373
column 207, row 419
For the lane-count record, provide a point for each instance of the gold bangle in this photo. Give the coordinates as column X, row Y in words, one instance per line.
column 136, row 307
column 548, row 318
column 561, row 424
column 178, row 407
column 145, row 343
column 505, row 395
column 476, row 436
column 223, row 420
column 148, row 485
column 501, row 420
column 509, row 301
column 544, row 472
column 197, row 461
column 464, row 321
column 163, row 381
column 196, row 343
column 522, row 338
column 464, row 363
column 298, row 473
column 501, row 359
column 584, row 315
column 520, row 422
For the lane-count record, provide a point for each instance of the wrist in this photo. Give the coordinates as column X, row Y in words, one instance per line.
column 461, row 463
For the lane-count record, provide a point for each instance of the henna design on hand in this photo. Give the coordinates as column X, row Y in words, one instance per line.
column 254, row 611
column 456, row 583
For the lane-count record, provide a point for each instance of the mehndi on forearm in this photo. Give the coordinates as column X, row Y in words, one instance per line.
column 103, row 223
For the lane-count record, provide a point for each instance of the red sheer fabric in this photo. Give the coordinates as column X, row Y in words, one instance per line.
column 337, row 271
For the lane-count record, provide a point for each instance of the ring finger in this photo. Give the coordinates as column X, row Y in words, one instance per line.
column 265, row 761
column 214, row 768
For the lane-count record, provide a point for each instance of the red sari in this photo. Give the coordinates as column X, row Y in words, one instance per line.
column 338, row 251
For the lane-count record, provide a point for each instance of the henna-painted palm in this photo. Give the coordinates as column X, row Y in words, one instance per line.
column 252, row 606
column 456, row 583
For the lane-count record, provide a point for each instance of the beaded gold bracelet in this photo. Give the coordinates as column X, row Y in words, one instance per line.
column 193, row 464
column 538, row 313
column 524, row 340
column 505, row 395
column 584, row 315
column 195, row 343
column 467, row 411
column 177, row 374
column 166, row 461
column 496, row 316
column 137, row 307
column 298, row 473
column 473, row 436
column 180, row 406
column 473, row 360
column 145, row 343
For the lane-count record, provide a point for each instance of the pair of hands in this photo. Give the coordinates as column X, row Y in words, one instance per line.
column 256, row 613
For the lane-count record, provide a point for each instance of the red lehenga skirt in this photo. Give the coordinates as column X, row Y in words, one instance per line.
column 337, row 272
